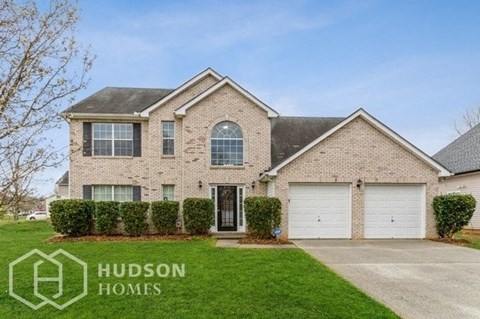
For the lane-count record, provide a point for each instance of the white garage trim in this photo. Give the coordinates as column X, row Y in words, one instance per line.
column 319, row 211
column 395, row 211
column 442, row 171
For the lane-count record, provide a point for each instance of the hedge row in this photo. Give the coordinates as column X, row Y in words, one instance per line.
column 78, row 217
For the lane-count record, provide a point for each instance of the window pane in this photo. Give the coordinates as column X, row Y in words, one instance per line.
column 168, row 142
column 123, row 148
column 168, row 192
column 102, row 147
column 102, row 193
column 168, row 129
column 227, row 130
column 168, row 147
column 102, row 130
column 227, row 144
column 123, row 193
column 123, row 131
column 240, row 206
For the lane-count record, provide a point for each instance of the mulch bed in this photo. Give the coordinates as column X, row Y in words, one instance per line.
column 256, row 241
column 99, row 238
column 452, row 241
column 469, row 233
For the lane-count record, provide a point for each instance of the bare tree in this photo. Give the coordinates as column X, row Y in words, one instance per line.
column 42, row 66
column 470, row 118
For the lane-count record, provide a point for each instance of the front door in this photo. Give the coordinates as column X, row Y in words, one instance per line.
column 227, row 208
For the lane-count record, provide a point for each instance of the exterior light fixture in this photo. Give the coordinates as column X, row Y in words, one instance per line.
column 200, row 184
column 359, row 183
column 253, row 184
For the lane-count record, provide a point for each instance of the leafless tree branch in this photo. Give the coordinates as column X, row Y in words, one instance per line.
column 42, row 66
column 469, row 119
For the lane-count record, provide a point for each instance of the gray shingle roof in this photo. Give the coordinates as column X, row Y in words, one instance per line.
column 291, row 134
column 115, row 100
column 463, row 154
column 64, row 179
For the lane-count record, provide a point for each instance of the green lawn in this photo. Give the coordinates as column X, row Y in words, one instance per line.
column 473, row 238
column 219, row 283
column 7, row 219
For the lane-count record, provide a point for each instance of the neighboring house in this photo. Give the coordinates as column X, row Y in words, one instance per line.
column 347, row 177
column 61, row 186
column 61, row 192
column 462, row 158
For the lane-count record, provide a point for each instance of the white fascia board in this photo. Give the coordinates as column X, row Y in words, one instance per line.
column 442, row 171
column 180, row 89
column 104, row 116
column 181, row 111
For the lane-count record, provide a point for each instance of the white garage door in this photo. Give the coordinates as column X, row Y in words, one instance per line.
column 394, row 211
column 319, row 211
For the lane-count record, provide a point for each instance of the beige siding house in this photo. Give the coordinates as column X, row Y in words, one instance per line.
column 462, row 157
column 347, row 177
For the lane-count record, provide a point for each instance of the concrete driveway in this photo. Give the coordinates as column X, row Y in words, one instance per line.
column 415, row 278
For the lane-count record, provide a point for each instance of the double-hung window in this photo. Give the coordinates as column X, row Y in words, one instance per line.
column 168, row 141
column 120, row 193
column 168, row 192
column 112, row 139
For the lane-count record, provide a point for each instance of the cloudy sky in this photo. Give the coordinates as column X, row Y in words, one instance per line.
column 415, row 65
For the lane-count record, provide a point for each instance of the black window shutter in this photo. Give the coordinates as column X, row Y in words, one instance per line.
column 87, row 191
column 137, row 139
column 137, row 193
column 87, row 139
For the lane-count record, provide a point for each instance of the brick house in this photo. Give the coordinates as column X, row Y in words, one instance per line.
column 347, row 177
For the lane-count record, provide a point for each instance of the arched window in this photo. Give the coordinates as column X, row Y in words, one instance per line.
column 227, row 144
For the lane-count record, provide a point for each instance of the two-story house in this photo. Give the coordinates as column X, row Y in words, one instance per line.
column 347, row 177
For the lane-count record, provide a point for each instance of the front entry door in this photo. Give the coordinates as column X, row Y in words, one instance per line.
column 227, row 208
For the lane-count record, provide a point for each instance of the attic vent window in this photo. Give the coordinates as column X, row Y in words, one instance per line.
column 89, row 106
column 296, row 146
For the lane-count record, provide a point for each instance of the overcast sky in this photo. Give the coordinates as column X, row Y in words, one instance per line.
column 414, row 65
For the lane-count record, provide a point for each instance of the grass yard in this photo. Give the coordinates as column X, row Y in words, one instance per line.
column 7, row 219
column 472, row 238
column 219, row 283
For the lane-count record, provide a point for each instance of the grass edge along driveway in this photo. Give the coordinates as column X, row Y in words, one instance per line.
column 219, row 283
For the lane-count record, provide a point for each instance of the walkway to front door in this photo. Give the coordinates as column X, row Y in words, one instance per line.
column 227, row 208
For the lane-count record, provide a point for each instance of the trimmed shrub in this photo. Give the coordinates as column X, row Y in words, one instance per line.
column 106, row 216
column 263, row 215
column 198, row 214
column 452, row 213
column 165, row 215
column 72, row 217
column 134, row 216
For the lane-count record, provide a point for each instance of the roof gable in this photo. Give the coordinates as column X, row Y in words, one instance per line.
column 208, row 72
column 181, row 111
column 463, row 154
column 291, row 134
column 64, row 180
column 378, row 125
